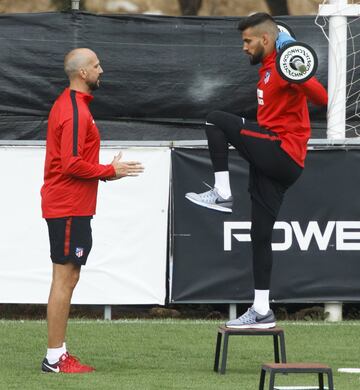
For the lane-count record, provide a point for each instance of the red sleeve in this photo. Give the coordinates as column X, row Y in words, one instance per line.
column 314, row 91
column 74, row 131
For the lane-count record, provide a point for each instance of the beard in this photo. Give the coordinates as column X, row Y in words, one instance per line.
column 93, row 85
column 257, row 56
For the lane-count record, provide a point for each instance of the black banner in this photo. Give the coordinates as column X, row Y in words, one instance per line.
column 162, row 75
column 316, row 240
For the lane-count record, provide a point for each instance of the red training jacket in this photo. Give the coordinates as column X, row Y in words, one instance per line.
column 72, row 169
column 282, row 107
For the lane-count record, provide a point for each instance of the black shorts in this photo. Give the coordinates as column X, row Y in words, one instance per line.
column 70, row 239
column 272, row 171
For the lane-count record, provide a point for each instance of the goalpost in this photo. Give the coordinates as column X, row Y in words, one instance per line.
column 343, row 113
column 343, row 70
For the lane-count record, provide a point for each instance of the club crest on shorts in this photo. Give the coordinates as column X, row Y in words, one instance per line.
column 79, row 252
column 267, row 77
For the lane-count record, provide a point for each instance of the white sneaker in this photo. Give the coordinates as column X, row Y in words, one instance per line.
column 212, row 200
column 252, row 319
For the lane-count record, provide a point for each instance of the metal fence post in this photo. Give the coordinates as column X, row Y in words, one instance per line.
column 232, row 311
column 107, row 312
column 333, row 310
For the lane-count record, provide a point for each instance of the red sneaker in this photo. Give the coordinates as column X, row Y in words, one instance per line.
column 67, row 364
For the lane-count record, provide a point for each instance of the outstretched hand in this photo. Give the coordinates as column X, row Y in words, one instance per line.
column 125, row 168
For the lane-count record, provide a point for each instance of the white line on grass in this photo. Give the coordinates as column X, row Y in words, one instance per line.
column 349, row 370
column 181, row 321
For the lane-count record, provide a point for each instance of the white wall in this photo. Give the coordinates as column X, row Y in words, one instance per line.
column 127, row 264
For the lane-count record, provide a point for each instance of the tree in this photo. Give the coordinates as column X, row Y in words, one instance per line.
column 190, row 7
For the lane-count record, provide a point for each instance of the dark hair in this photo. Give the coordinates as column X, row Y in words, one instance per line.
column 254, row 20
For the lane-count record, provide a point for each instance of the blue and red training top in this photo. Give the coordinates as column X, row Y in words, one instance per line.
column 72, row 169
column 282, row 107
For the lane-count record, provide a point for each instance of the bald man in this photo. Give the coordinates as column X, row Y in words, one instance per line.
column 71, row 176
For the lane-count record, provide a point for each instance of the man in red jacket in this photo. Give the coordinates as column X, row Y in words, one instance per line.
column 71, row 176
column 274, row 147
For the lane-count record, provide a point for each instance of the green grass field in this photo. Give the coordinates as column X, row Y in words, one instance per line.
column 171, row 354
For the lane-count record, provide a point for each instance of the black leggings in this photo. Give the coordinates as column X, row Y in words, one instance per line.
column 271, row 173
column 262, row 224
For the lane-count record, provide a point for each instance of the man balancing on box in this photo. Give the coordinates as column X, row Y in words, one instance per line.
column 275, row 147
column 71, row 177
